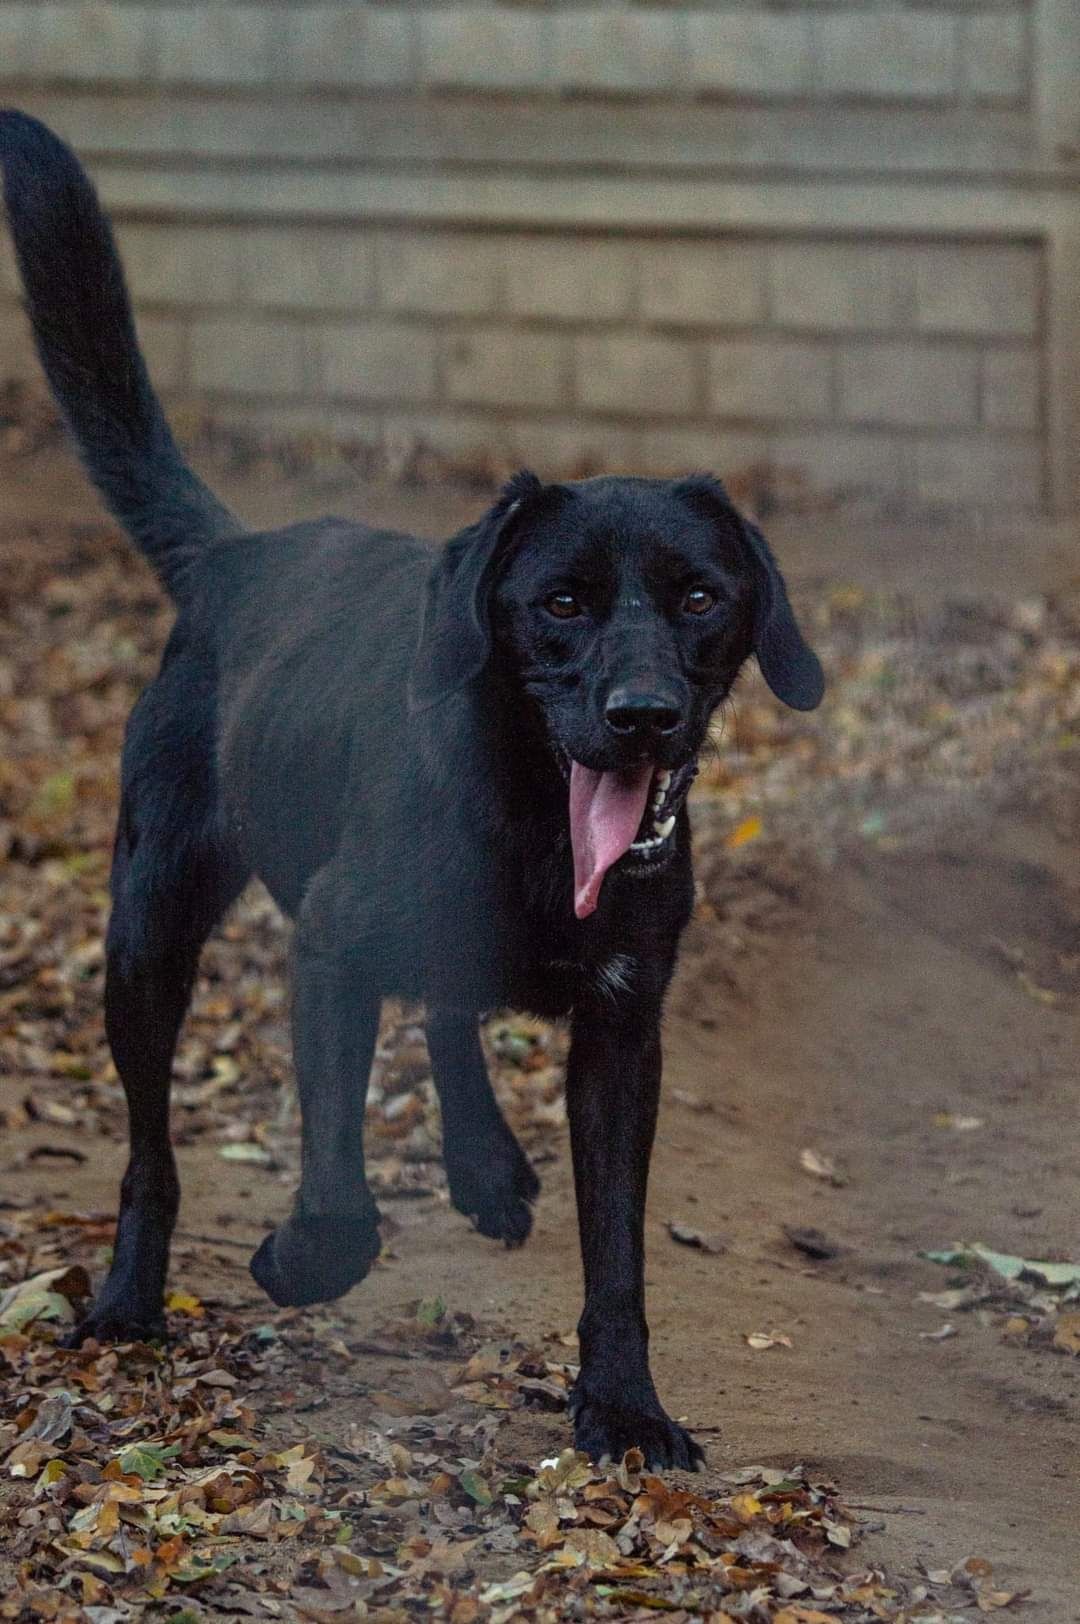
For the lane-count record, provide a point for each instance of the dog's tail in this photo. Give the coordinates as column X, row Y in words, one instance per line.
column 80, row 311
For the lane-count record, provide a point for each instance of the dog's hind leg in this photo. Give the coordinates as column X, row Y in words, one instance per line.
column 331, row 1238
column 171, row 884
column 491, row 1179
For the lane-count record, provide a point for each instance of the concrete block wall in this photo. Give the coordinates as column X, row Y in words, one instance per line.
column 825, row 240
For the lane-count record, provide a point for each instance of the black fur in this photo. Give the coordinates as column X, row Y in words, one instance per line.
column 401, row 789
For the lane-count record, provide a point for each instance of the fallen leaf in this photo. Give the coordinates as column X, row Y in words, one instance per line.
column 687, row 1235
column 822, row 1167
column 743, row 833
column 1067, row 1334
column 942, row 1334
column 812, row 1242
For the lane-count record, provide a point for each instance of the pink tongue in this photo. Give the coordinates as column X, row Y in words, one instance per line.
column 606, row 810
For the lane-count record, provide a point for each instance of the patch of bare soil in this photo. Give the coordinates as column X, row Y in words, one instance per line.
column 871, row 1055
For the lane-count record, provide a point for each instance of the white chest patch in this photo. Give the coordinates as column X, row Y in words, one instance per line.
column 616, row 975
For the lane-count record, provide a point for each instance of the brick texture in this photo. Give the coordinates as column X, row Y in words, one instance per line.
column 886, row 54
column 377, row 361
column 216, row 45
column 759, row 53
column 911, row 364
column 93, row 41
column 569, row 280
column 714, row 285
column 910, row 384
column 500, row 367
column 483, row 49
column 977, row 290
column 348, row 45
column 773, row 381
column 440, row 275
column 618, row 50
column 253, row 357
column 840, row 287
column 646, row 377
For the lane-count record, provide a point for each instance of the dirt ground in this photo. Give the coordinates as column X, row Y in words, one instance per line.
column 893, row 983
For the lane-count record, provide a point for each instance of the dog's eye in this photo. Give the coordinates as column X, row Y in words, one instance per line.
column 563, row 605
column 698, row 601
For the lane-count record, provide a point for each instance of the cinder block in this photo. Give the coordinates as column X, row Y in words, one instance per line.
column 216, row 45
column 182, row 265
column 978, row 289
column 373, row 360
column 670, row 452
column 771, row 381
column 92, row 41
column 499, row 367
column 485, row 49
column 756, row 53
column 301, row 269
column 163, row 342
column 909, row 383
column 886, row 54
column 18, row 359
column 985, row 470
column 619, row 50
column 248, row 356
column 18, row 41
column 348, row 45
column 703, row 284
column 638, row 376
column 567, row 279
column 994, row 58
column 440, row 274
column 840, row 287
column 1011, row 389
column 845, row 463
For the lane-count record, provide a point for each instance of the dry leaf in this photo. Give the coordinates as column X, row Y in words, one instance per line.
column 820, row 1166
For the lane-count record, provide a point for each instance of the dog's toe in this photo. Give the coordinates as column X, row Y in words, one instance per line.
column 605, row 1431
column 313, row 1260
column 496, row 1192
column 116, row 1325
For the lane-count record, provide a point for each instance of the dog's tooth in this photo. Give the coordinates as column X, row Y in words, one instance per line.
column 665, row 828
column 663, row 779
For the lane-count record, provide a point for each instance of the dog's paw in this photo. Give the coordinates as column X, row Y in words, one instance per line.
column 605, row 1431
column 117, row 1322
column 495, row 1188
column 313, row 1260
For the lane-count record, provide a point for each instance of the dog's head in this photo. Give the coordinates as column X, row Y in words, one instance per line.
column 623, row 609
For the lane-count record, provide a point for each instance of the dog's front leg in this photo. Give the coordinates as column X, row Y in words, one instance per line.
column 331, row 1238
column 612, row 1090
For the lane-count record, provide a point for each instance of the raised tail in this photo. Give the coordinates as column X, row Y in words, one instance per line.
column 80, row 311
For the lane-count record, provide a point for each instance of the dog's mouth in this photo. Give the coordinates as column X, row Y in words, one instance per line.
column 626, row 816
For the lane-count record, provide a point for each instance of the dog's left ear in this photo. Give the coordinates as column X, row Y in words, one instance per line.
column 788, row 663
column 455, row 628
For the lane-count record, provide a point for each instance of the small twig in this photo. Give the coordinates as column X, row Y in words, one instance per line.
column 888, row 1511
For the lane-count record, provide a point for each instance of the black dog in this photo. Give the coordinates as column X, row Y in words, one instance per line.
column 464, row 776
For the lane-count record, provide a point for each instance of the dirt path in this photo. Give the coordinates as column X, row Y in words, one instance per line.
column 896, row 982
column 883, row 1002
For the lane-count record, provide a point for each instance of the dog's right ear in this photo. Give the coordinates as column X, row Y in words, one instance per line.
column 455, row 627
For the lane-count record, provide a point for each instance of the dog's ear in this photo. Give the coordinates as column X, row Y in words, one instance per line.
column 455, row 627
column 788, row 663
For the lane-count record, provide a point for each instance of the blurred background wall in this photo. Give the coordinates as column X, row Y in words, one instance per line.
column 827, row 247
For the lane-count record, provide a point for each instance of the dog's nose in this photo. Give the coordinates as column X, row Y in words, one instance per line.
column 641, row 710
